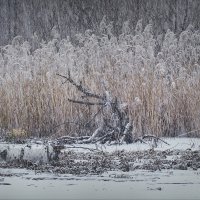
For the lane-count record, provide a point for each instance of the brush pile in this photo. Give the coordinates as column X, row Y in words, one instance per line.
column 116, row 125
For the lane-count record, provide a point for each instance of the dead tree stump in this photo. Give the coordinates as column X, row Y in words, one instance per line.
column 116, row 125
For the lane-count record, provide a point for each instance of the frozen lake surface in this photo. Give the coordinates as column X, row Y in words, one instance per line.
column 139, row 184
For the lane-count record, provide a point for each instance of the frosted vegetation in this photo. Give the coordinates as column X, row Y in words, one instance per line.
column 158, row 78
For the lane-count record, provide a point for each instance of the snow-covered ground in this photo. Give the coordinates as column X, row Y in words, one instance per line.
column 38, row 152
column 174, row 144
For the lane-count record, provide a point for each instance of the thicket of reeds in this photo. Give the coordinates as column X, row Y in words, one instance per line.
column 158, row 78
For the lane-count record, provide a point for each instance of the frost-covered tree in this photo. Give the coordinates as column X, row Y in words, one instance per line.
column 22, row 17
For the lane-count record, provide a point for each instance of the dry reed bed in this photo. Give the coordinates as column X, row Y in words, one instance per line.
column 161, row 87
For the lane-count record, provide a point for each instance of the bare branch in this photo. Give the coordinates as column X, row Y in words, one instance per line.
column 97, row 132
column 79, row 147
column 73, row 138
column 94, row 116
column 105, row 136
column 127, row 130
column 154, row 137
column 139, row 140
column 86, row 102
column 80, row 87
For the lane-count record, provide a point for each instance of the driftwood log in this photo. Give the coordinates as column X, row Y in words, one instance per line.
column 116, row 125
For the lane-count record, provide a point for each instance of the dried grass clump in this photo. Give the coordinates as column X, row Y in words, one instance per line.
column 159, row 79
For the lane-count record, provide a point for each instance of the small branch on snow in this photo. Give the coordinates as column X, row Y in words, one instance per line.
column 73, row 138
column 140, row 140
column 105, row 136
column 79, row 147
column 154, row 137
column 184, row 134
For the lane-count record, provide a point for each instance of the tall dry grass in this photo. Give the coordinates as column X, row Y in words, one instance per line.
column 159, row 79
